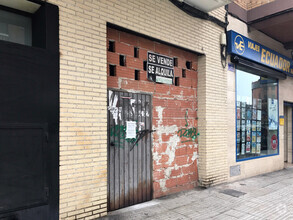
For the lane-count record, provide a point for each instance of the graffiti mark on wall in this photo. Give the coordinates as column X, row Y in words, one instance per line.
column 118, row 136
column 118, row 133
column 189, row 133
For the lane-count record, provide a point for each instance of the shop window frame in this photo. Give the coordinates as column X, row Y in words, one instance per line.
column 235, row 129
column 45, row 47
column 24, row 14
column 41, row 28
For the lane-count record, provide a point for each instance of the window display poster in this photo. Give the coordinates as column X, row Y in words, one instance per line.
column 248, row 113
column 253, row 148
column 254, row 103
column 243, row 148
column 243, row 113
column 254, row 114
column 258, row 136
column 258, row 126
column 243, row 136
column 248, row 135
column 259, row 115
column 247, row 147
column 243, row 104
column 238, row 149
column 238, row 125
column 259, row 104
column 238, row 113
column 238, row 137
column 258, row 148
column 273, row 113
column 253, row 125
column 248, row 124
column 274, row 142
column 254, row 136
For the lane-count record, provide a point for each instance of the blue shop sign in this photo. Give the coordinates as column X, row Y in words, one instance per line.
column 249, row 49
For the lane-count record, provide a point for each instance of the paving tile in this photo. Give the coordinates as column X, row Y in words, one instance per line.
column 205, row 215
column 168, row 215
column 224, row 217
column 248, row 217
column 267, row 196
column 234, row 213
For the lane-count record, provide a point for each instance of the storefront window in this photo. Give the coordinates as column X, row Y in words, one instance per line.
column 15, row 28
column 256, row 116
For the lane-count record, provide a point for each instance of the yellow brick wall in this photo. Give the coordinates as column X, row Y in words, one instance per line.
column 242, row 3
column 256, row 3
column 83, row 110
column 250, row 4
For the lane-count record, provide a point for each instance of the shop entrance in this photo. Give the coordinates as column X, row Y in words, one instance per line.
column 288, row 113
column 129, row 149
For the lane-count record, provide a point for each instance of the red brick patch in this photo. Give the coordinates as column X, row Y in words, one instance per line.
column 174, row 100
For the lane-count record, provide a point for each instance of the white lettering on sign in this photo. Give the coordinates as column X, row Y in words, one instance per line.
column 161, row 66
column 152, row 58
column 151, row 69
column 165, row 61
column 164, row 72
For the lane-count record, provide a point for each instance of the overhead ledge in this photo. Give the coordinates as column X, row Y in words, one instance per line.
column 22, row 5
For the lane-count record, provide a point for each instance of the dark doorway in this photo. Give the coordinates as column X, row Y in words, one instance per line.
column 129, row 149
column 29, row 123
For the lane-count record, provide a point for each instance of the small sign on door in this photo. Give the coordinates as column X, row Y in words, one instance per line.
column 130, row 129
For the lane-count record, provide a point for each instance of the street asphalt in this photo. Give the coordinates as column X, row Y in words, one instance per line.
column 268, row 196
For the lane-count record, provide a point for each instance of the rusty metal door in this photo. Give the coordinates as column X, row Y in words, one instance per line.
column 129, row 149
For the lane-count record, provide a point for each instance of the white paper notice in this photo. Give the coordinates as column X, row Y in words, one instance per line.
column 130, row 129
column 273, row 114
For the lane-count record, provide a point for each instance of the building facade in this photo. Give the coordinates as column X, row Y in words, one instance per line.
column 259, row 95
column 173, row 114
column 141, row 98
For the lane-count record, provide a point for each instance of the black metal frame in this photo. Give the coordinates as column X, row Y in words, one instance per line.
column 42, row 56
column 252, row 67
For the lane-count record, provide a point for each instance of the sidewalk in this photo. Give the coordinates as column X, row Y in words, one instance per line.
column 268, row 196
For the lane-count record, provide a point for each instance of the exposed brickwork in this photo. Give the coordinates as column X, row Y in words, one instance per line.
column 83, row 92
column 83, row 96
column 174, row 160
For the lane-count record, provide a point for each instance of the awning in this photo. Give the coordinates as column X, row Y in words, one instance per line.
column 252, row 67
